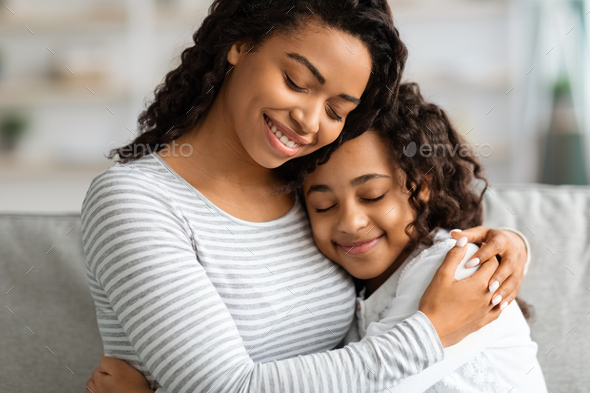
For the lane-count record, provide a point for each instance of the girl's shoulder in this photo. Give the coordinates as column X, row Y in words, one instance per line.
column 429, row 258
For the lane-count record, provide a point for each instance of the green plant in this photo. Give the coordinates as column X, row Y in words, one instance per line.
column 12, row 127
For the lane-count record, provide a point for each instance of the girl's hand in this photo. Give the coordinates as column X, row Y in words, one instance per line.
column 506, row 280
column 116, row 376
column 457, row 308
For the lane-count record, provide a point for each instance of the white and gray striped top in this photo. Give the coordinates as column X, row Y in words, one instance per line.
column 199, row 301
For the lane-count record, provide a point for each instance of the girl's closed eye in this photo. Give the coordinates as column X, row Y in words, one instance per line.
column 377, row 199
column 318, row 210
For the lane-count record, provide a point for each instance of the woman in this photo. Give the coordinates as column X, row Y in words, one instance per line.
column 207, row 279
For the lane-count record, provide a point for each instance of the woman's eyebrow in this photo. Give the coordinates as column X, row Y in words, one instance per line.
column 303, row 60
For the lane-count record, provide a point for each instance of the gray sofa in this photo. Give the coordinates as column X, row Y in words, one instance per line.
column 50, row 341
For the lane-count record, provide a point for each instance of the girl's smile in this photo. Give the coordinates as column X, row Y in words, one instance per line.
column 360, row 247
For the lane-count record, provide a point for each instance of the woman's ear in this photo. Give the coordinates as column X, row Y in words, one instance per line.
column 237, row 51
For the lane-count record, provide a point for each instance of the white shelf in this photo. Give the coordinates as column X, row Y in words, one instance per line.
column 45, row 91
column 447, row 11
column 99, row 19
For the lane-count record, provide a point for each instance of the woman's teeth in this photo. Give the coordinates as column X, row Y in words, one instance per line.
column 283, row 138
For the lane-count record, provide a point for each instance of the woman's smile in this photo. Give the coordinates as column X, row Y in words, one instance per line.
column 284, row 140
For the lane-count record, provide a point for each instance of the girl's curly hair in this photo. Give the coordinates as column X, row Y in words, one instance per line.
column 188, row 92
column 426, row 147
column 448, row 167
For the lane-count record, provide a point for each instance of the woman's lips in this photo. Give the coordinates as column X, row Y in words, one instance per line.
column 278, row 145
column 359, row 247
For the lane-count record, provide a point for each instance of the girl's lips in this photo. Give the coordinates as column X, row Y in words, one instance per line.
column 360, row 247
column 278, row 145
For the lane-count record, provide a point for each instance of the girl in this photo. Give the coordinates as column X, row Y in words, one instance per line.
column 384, row 214
column 206, row 279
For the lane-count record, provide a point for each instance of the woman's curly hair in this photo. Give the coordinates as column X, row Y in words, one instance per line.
column 424, row 144
column 187, row 93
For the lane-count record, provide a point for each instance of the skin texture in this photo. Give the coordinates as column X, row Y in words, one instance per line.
column 232, row 158
column 232, row 166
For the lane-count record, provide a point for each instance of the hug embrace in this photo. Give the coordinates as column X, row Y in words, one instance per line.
column 298, row 247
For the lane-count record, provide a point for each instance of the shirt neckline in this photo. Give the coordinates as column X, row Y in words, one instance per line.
column 295, row 209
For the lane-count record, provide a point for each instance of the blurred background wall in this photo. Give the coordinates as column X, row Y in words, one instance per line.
column 514, row 75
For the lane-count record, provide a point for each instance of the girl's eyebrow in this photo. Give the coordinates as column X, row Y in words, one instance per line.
column 303, row 60
column 318, row 188
column 357, row 181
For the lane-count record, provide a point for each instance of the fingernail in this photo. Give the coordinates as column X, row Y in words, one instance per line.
column 461, row 242
column 503, row 306
column 472, row 263
column 456, row 230
column 497, row 299
column 494, row 286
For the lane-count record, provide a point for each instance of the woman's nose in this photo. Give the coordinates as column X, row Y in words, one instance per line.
column 351, row 220
column 308, row 117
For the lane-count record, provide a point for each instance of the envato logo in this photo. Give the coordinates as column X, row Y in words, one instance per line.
column 165, row 150
column 441, row 150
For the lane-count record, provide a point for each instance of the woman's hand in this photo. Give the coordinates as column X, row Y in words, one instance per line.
column 457, row 308
column 116, row 376
column 506, row 280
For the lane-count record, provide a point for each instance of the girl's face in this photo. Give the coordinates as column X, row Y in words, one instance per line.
column 303, row 85
column 358, row 207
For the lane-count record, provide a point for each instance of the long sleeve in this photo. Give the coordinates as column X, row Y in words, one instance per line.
column 141, row 254
column 526, row 244
column 413, row 281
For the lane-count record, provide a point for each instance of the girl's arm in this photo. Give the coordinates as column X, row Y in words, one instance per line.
column 151, row 283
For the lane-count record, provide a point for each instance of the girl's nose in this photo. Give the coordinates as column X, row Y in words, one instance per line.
column 351, row 220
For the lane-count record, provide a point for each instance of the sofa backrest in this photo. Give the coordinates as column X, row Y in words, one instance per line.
column 63, row 345
column 42, row 267
column 555, row 219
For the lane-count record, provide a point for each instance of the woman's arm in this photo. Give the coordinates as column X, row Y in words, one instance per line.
column 183, row 333
column 412, row 283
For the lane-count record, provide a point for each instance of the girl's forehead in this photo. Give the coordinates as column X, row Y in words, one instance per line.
column 364, row 154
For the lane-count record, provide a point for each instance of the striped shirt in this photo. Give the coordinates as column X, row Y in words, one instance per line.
column 198, row 300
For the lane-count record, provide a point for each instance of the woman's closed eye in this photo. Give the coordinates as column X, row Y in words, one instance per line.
column 294, row 86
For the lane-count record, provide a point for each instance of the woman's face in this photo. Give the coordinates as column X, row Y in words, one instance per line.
column 358, row 207
column 304, row 85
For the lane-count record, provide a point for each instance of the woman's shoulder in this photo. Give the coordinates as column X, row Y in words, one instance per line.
column 138, row 182
column 141, row 170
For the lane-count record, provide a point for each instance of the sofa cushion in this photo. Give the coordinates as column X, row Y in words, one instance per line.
column 44, row 289
column 555, row 220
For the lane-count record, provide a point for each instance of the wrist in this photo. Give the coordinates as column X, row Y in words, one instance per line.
column 527, row 247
